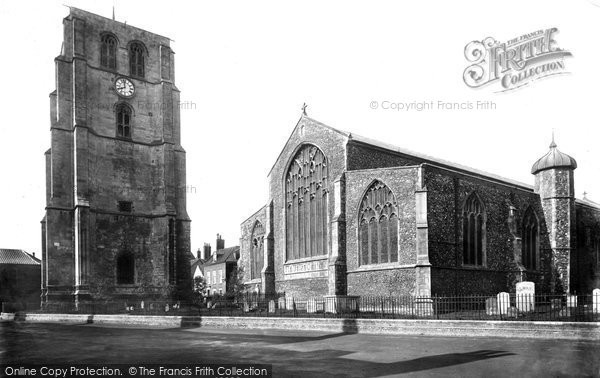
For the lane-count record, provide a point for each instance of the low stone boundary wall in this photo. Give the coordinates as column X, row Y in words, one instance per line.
column 511, row 329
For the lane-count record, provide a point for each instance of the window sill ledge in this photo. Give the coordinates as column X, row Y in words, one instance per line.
column 305, row 259
column 388, row 266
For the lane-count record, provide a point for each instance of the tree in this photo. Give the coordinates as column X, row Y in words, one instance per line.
column 199, row 289
column 235, row 283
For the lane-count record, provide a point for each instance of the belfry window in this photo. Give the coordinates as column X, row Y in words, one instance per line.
column 136, row 59
column 530, row 240
column 125, row 206
column 378, row 226
column 123, row 121
column 473, row 231
column 306, row 184
column 256, row 252
column 125, row 269
column 108, row 51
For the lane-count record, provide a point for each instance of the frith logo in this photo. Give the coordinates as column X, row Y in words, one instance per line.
column 515, row 63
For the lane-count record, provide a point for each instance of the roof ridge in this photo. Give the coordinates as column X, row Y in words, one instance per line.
column 17, row 256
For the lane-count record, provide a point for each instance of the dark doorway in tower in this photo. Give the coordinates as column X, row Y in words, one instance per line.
column 125, row 268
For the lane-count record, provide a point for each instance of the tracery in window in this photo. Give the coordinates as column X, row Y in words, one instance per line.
column 378, row 226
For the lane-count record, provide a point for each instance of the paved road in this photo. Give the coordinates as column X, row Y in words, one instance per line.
column 300, row 354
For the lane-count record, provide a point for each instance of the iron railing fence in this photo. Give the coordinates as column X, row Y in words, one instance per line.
column 504, row 306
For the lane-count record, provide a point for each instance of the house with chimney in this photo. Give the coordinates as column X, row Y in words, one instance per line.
column 198, row 261
column 218, row 267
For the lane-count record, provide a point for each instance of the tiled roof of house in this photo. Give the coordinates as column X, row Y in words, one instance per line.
column 230, row 254
column 17, row 256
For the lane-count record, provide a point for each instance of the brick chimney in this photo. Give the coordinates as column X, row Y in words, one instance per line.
column 207, row 251
column 220, row 242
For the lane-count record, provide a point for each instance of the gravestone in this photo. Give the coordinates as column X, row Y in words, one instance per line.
column 571, row 300
column 525, row 296
column 281, row 303
column 246, row 307
column 491, row 306
column 289, row 303
column 503, row 302
column 596, row 300
column 311, row 306
column 271, row 306
column 555, row 303
column 512, row 312
column 565, row 312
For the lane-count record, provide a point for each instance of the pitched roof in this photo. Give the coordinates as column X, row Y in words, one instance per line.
column 437, row 161
column 225, row 255
column 17, row 256
column 417, row 155
column 586, row 202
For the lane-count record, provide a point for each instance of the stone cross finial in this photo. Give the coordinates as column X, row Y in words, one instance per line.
column 553, row 144
column 304, row 106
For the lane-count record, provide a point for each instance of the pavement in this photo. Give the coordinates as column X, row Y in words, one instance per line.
column 300, row 354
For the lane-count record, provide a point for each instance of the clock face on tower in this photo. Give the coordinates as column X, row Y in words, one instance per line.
column 124, row 87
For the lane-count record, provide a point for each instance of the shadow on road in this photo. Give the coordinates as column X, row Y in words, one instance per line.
column 437, row 361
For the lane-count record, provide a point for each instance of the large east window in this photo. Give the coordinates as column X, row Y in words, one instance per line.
column 306, row 183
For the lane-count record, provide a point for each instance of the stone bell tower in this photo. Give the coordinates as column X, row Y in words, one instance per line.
column 116, row 224
column 554, row 182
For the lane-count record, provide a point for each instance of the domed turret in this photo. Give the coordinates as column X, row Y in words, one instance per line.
column 553, row 159
column 554, row 182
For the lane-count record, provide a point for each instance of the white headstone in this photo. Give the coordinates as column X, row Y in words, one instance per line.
column 281, row 303
column 271, row 306
column 289, row 303
column 571, row 300
column 503, row 302
column 311, row 306
column 525, row 296
column 491, row 306
column 596, row 300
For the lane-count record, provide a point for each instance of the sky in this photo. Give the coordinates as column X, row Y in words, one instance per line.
column 245, row 69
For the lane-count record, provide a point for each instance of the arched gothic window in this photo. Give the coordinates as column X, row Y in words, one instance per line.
column 306, row 184
column 473, row 231
column 378, row 226
column 123, row 121
column 136, row 59
column 108, row 51
column 125, row 268
column 256, row 251
column 530, row 239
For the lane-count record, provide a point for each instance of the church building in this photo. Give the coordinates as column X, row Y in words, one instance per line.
column 347, row 215
column 116, row 224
